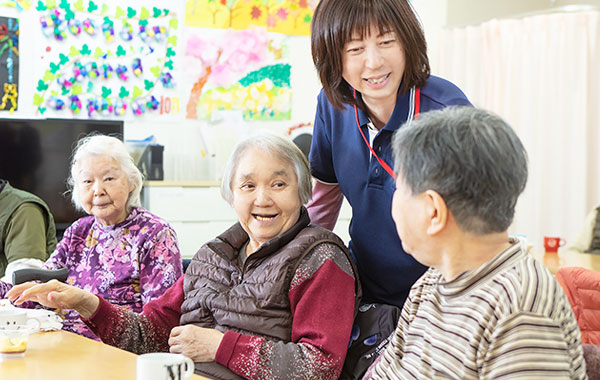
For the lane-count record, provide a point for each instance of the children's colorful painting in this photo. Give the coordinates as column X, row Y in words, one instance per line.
column 9, row 63
column 238, row 70
column 279, row 16
column 103, row 61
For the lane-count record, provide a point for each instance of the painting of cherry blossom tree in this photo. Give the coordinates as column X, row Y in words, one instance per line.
column 238, row 70
column 280, row 16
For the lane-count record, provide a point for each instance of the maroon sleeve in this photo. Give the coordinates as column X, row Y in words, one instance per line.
column 325, row 206
column 322, row 305
column 139, row 333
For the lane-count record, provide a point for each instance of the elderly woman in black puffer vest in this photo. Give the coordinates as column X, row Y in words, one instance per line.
column 273, row 297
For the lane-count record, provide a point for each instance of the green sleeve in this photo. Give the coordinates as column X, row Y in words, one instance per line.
column 26, row 234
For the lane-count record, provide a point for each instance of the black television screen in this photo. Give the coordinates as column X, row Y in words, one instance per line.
column 35, row 156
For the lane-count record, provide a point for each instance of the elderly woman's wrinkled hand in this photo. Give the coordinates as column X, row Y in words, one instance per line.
column 197, row 343
column 56, row 295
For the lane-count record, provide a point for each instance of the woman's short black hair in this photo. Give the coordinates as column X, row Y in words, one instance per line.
column 333, row 25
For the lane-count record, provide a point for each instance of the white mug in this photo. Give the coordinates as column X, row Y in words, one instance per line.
column 164, row 366
column 17, row 318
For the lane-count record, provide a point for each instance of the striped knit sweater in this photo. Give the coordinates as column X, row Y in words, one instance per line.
column 507, row 319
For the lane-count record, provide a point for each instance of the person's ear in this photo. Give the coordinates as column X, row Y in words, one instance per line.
column 437, row 212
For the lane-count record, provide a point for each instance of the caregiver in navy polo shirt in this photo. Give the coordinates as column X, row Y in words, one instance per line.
column 371, row 57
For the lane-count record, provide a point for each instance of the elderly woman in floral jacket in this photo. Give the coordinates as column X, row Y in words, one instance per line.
column 121, row 252
column 272, row 297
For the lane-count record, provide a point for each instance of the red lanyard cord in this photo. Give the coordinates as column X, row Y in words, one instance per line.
column 417, row 103
column 381, row 162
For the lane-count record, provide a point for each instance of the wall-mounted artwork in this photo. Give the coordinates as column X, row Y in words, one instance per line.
column 9, row 63
column 279, row 16
column 20, row 5
column 238, row 70
column 103, row 61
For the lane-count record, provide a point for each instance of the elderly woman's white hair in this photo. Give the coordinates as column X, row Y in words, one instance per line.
column 274, row 145
column 101, row 145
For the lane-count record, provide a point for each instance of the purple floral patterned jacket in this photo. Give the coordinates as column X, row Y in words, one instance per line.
column 128, row 264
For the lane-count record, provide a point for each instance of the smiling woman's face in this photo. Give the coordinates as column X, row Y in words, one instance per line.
column 265, row 196
column 102, row 188
column 374, row 66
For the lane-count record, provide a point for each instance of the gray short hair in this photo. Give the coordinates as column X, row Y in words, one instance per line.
column 469, row 156
column 101, row 145
column 274, row 145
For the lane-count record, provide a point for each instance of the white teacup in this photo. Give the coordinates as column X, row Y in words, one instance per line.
column 17, row 318
column 164, row 366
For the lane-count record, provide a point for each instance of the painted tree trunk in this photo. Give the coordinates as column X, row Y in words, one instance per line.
column 192, row 106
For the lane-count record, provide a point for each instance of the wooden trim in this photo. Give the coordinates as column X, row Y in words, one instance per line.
column 206, row 183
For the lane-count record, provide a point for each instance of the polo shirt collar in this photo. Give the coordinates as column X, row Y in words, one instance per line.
column 363, row 117
column 399, row 116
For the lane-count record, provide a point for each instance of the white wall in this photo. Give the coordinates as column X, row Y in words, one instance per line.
column 468, row 12
column 433, row 14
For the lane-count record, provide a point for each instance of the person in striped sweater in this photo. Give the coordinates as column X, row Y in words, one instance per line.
column 485, row 309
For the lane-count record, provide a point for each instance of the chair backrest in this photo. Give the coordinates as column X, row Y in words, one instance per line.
column 185, row 263
column 582, row 288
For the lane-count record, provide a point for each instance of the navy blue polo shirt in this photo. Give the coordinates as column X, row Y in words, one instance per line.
column 339, row 155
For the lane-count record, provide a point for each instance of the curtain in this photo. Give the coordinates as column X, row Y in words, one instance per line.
column 541, row 74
